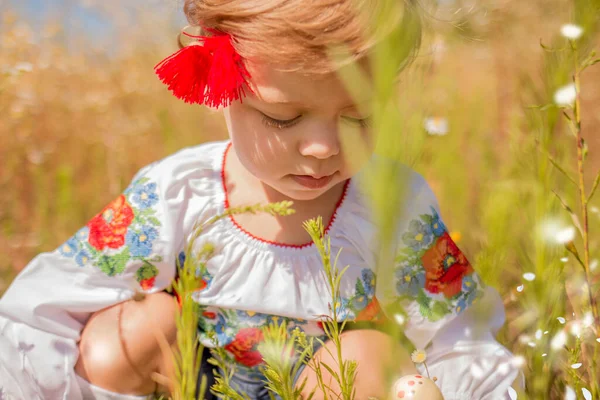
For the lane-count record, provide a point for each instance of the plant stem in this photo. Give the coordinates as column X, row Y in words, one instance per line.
column 584, row 212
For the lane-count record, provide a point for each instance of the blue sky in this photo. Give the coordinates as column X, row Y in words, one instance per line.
column 82, row 19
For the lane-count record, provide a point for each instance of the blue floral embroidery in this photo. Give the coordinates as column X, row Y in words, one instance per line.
column 409, row 282
column 83, row 234
column 120, row 233
column 82, row 258
column 419, row 235
column 368, row 278
column 69, row 248
column 422, row 264
column 140, row 243
column 437, row 226
column 145, row 195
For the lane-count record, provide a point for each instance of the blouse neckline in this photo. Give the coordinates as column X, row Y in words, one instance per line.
column 262, row 243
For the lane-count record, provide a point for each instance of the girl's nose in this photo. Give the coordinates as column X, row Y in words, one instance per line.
column 320, row 146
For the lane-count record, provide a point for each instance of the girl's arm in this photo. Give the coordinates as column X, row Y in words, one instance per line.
column 128, row 247
column 449, row 312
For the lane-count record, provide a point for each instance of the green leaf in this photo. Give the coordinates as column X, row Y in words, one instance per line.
column 574, row 216
column 594, row 187
column 154, row 221
column 115, row 264
column 360, row 288
column 439, row 310
column 423, row 299
column 141, row 181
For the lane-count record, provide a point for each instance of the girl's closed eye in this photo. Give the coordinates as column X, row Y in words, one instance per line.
column 287, row 123
column 279, row 123
column 362, row 122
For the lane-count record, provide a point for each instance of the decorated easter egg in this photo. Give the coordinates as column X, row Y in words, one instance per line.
column 416, row 387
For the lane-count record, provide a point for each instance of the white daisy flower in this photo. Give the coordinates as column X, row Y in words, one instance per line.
column 552, row 230
column 571, row 31
column 565, row 96
column 570, row 394
column 419, row 356
column 520, row 288
column 436, row 126
column 558, row 341
column 23, row 67
column 529, row 276
column 588, row 319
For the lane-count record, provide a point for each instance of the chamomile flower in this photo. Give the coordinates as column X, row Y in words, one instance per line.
column 436, row 126
column 554, row 231
column 571, row 31
column 565, row 96
column 419, row 356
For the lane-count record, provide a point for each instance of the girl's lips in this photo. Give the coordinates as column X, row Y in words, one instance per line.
column 312, row 182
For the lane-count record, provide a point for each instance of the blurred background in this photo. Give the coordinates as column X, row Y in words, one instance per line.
column 81, row 111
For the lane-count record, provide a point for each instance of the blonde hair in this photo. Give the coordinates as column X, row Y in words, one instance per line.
column 299, row 35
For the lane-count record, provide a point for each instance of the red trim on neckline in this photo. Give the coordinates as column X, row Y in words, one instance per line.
column 270, row 242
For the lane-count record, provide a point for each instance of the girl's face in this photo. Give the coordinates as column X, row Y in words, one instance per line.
column 287, row 133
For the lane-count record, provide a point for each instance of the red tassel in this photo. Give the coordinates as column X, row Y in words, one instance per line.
column 227, row 75
column 185, row 73
column 213, row 74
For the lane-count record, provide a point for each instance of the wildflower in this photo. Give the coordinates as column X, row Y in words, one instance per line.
column 529, row 276
column 588, row 320
column 554, row 231
column 456, row 236
column 518, row 361
column 558, row 341
column 576, row 365
column 565, row 96
column 587, row 395
column 23, row 67
column 571, row 31
column 570, row 393
column 418, row 356
column 575, row 328
column 436, row 126
column 399, row 319
column 520, row 288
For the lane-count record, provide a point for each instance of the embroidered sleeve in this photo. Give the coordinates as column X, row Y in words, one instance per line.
column 123, row 234
column 432, row 280
column 127, row 247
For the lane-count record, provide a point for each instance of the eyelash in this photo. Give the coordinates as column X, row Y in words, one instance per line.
column 282, row 124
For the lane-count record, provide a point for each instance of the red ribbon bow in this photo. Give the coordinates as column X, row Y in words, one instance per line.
column 211, row 73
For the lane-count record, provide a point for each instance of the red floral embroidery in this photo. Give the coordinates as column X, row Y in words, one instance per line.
column 148, row 283
column 243, row 346
column 445, row 266
column 108, row 228
column 370, row 312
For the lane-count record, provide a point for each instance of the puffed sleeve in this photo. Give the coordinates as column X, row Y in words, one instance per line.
column 446, row 308
column 129, row 246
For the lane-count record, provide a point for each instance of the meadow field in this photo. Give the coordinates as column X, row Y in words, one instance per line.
column 483, row 114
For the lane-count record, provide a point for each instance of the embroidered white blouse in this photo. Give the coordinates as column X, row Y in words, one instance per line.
column 133, row 244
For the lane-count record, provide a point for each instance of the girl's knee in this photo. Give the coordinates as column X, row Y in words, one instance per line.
column 380, row 361
column 119, row 346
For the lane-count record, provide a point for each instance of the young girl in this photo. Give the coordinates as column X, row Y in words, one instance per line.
column 71, row 324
